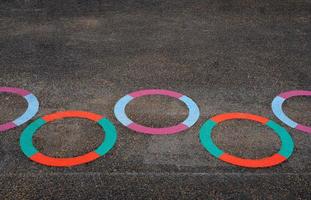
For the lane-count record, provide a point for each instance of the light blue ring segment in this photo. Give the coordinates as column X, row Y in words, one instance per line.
column 32, row 109
column 278, row 111
column 119, row 110
column 194, row 112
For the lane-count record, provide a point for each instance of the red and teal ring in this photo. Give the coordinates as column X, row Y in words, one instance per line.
column 32, row 109
column 194, row 112
column 33, row 154
column 284, row 153
column 277, row 109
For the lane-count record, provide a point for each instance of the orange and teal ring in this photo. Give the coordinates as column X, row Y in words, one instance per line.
column 33, row 154
column 284, row 153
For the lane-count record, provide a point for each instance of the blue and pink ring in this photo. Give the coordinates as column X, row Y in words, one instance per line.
column 33, row 107
column 277, row 109
column 192, row 118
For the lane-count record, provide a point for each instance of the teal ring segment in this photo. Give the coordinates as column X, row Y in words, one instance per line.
column 26, row 137
column 206, row 138
column 110, row 136
column 287, row 144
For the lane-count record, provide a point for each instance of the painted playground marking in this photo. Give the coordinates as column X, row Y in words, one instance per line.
column 192, row 118
column 284, row 153
column 109, row 129
column 277, row 109
column 33, row 107
column 32, row 153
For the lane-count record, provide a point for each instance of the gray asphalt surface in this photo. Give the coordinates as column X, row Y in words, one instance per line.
column 229, row 56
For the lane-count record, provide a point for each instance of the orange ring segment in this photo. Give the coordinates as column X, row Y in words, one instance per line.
column 64, row 162
column 265, row 162
column 228, row 116
column 78, row 114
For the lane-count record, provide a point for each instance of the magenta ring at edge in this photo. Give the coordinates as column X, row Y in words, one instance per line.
column 277, row 109
column 33, row 107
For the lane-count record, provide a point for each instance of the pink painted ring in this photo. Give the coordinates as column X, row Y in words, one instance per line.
column 18, row 91
column 277, row 109
column 157, row 131
column 120, row 114
column 33, row 106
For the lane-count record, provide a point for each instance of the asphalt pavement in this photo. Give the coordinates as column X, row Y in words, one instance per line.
column 228, row 56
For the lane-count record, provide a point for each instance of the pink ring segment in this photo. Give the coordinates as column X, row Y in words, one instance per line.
column 120, row 114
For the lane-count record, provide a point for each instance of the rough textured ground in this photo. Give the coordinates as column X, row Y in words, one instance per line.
column 226, row 55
